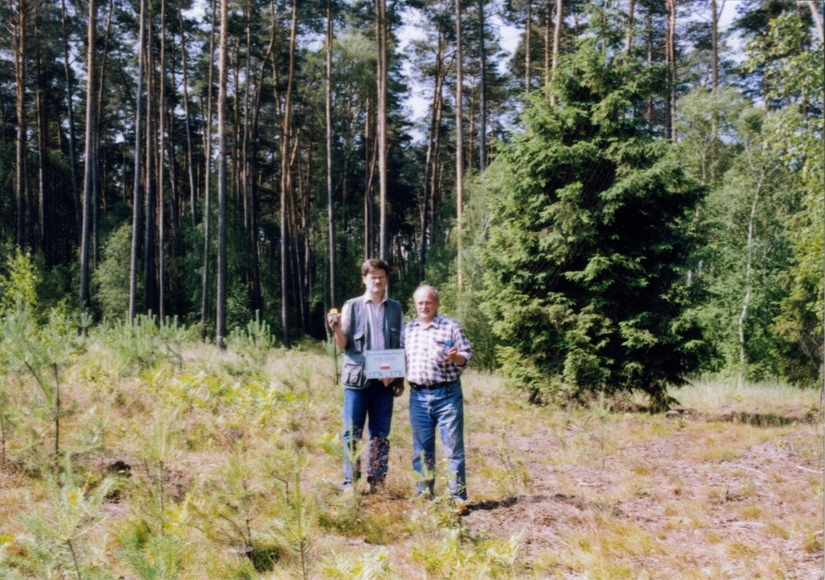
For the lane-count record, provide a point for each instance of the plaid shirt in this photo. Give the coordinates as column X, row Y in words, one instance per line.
column 425, row 346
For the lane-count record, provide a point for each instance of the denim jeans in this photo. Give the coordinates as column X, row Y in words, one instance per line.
column 442, row 408
column 373, row 403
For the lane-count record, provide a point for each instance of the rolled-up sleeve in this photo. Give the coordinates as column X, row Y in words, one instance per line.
column 462, row 344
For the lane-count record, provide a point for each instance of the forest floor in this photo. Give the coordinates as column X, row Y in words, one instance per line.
column 730, row 492
column 229, row 458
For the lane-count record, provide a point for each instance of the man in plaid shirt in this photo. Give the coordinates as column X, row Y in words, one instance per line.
column 436, row 351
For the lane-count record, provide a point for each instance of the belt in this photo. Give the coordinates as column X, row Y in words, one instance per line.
column 430, row 386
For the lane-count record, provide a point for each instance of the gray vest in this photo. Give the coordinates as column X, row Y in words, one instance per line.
column 352, row 373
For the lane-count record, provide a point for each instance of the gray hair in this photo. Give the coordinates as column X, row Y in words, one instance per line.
column 429, row 288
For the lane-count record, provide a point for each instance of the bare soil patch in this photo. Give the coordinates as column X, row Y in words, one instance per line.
column 732, row 495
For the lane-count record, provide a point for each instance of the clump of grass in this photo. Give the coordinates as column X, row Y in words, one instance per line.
column 606, row 543
column 374, row 564
column 709, row 396
column 452, row 557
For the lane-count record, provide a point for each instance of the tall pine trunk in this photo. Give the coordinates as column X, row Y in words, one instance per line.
column 556, row 44
column 70, row 112
column 98, row 196
column 21, row 150
column 220, row 311
column 431, row 159
column 149, row 246
column 257, row 298
column 161, row 205
column 190, row 164
column 286, row 176
column 42, row 145
column 328, row 106
column 670, row 59
column 381, row 125
column 459, row 141
column 528, row 26
column 482, row 105
column 207, row 154
column 136, row 188
column 628, row 41
column 91, row 157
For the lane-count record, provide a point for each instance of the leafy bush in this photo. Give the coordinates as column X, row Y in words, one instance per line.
column 112, row 275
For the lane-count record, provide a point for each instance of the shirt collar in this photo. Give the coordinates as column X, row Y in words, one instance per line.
column 367, row 298
column 435, row 322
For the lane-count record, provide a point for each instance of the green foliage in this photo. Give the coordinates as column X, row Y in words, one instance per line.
column 158, row 557
column 40, row 350
column 296, row 525
column 156, row 448
column 58, row 537
column 112, row 276
column 744, row 265
column 706, row 123
column 586, row 258
column 147, row 342
column 466, row 305
column 798, row 326
column 252, row 342
column 18, row 288
column 790, row 60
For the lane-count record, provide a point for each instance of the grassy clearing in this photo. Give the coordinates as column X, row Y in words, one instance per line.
column 182, row 462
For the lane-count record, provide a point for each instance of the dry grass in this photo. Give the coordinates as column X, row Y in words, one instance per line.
column 221, row 454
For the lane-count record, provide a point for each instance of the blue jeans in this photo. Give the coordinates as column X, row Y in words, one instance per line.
column 442, row 408
column 373, row 403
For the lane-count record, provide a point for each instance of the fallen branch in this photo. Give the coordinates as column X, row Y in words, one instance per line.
column 818, row 472
column 737, row 466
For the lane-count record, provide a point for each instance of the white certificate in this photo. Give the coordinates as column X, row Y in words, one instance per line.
column 383, row 364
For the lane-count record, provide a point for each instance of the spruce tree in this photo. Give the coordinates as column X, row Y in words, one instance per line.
column 588, row 251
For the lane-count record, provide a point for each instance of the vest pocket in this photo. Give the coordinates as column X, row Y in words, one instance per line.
column 352, row 375
column 358, row 341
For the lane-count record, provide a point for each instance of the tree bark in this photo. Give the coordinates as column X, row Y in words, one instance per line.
column 70, row 112
column 330, row 206
column 628, row 41
column 207, row 154
column 98, row 197
column 528, row 33
column 548, row 18
column 381, row 125
column 670, row 58
column 136, row 188
column 556, row 44
column 21, row 151
column 817, row 19
column 90, row 156
column 149, row 247
column 220, row 311
column 431, row 159
column 257, row 299
column 459, row 142
column 189, row 156
column 161, row 206
column 747, row 298
column 482, row 105
column 286, row 176
column 42, row 146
